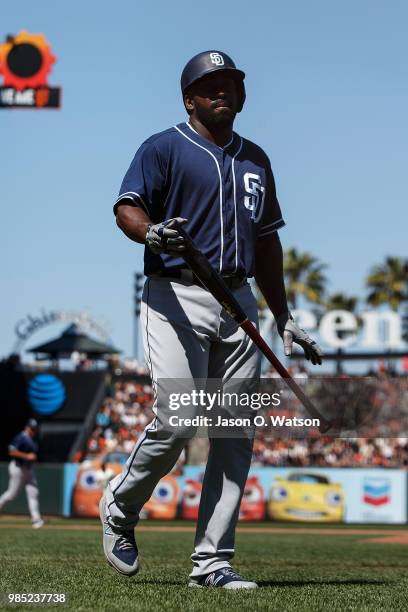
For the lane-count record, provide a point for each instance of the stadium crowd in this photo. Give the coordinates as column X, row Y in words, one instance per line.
column 332, row 452
column 128, row 408
column 122, row 417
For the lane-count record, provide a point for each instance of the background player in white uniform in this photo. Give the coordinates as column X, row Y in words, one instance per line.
column 202, row 174
column 23, row 452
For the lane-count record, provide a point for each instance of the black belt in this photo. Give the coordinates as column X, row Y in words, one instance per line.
column 187, row 275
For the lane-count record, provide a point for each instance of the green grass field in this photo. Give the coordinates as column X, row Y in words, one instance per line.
column 295, row 571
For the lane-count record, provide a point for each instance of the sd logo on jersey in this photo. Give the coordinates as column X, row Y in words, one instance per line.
column 255, row 200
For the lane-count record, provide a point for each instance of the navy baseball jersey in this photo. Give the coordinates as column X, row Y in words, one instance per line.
column 24, row 443
column 227, row 194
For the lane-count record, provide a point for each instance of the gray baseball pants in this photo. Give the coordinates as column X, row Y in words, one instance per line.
column 19, row 476
column 188, row 335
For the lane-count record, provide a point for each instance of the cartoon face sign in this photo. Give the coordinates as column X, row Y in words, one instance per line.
column 191, row 499
column 253, row 501
column 164, row 500
column 307, row 497
column 252, row 505
column 92, row 478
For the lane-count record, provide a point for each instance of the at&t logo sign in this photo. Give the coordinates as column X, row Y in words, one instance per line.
column 46, row 394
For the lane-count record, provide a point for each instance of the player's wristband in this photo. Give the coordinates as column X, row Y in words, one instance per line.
column 148, row 230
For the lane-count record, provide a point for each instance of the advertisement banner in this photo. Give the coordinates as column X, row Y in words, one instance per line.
column 309, row 495
column 350, row 495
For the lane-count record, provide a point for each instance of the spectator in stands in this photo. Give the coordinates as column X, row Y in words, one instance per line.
column 124, row 416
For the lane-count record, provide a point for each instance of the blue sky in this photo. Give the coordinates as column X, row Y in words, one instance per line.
column 327, row 93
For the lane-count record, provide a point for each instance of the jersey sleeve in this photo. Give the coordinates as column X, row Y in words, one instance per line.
column 272, row 219
column 15, row 444
column 144, row 181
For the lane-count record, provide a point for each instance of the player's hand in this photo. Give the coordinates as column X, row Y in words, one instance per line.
column 165, row 238
column 31, row 457
column 291, row 333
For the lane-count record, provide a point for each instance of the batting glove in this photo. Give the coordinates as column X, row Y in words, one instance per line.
column 164, row 237
column 290, row 333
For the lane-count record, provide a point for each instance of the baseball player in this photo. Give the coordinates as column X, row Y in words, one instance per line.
column 201, row 175
column 23, row 452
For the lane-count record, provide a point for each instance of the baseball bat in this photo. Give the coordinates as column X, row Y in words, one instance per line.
column 215, row 284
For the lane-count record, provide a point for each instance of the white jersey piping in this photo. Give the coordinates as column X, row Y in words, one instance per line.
column 221, row 190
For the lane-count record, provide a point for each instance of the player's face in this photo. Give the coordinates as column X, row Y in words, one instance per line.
column 213, row 99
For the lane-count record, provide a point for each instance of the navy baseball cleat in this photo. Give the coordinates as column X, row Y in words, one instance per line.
column 119, row 547
column 225, row 578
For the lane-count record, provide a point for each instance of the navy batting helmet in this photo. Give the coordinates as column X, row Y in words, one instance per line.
column 212, row 61
column 32, row 423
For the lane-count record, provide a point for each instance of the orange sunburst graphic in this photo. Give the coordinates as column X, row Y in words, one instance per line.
column 25, row 61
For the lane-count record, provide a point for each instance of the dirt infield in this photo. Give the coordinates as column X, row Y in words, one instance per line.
column 401, row 538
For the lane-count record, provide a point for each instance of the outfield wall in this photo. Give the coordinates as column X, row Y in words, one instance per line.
column 51, row 482
column 349, row 495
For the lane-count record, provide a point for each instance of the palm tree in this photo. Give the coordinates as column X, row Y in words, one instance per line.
column 341, row 301
column 388, row 283
column 303, row 276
